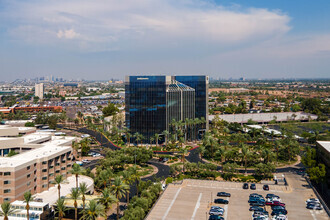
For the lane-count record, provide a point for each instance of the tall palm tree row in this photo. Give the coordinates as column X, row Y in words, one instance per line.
column 83, row 191
column 76, row 170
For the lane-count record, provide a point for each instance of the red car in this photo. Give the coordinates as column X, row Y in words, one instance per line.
column 275, row 203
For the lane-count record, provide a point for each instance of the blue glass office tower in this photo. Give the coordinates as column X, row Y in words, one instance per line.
column 201, row 85
column 152, row 102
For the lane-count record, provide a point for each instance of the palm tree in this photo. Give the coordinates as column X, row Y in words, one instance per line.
column 166, row 133
column 245, row 154
column 27, row 199
column 127, row 179
column 120, row 189
column 59, row 179
column 184, row 151
column 93, row 211
column 75, row 193
column 76, row 170
column 60, row 208
column 107, row 199
column 152, row 140
column 137, row 137
column 156, row 139
column 83, row 191
column 135, row 177
column 6, row 210
column 195, row 123
column 76, row 147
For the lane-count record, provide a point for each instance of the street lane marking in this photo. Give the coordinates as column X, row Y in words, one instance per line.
column 173, row 200
column 197, row 206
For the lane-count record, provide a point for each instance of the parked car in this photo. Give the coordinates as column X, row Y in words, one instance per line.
column 312, row 200
column 256, row 199
column 224, row 194
column 266, row 187
column 260, row 218
column 275, row 203
column 245, row 186
column 216, row 217
column 279, row 212
column 85, row 161
column 280, row 217
column 278, row 207
column 253, row 186
column 221, row 201
column 271, row 196
column 255, row 195
column 215, row 212
column 255, row 208
column 258, row 213
column 315, row 206
column 217, row 207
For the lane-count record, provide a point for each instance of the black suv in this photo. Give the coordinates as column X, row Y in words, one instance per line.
column 253, row 186
column 245, row 186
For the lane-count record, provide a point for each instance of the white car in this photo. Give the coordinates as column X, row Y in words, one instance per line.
column 312, row 200
column 85, row 161
column 280, row 217
column 217, row 207
column 273, row 199
column 215, row 212
column 97, row 155
column 85, row 136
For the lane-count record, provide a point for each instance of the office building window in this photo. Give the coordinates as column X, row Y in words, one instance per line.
column 6, row 173
column 6, row 182
column 7, row 191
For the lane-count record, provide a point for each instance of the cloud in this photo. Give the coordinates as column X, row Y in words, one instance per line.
column 122, row 25
column 67, row 34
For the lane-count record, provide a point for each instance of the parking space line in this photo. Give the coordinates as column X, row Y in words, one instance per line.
column 197, row 206
column 226, row 210
column 313, row 215
column 172, row 202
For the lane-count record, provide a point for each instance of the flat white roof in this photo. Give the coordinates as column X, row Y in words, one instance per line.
column 50, row 196
column 325, row 145
column 32, row 204
column 54, row 146
column 265, row 117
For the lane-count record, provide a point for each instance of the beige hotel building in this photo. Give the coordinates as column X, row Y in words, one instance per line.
column 41, row 157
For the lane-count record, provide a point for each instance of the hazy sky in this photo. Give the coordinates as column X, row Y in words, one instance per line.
column 103, row 39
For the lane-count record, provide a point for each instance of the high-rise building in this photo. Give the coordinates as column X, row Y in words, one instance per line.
column 39, row 90
column 201, row 85
column 153, row 102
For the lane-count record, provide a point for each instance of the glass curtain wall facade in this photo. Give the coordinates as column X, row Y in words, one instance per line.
column 152, row 102
column 180, row 103
column 145, row 105
column 201, row 86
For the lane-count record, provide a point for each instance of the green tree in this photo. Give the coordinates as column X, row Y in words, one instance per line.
column 119, row 189
column 27, row 199
column 127, row 179
column 60, row 208
column 29, row 124
column 75, row 195
column 76, row 170
column 110, row 110
column 107, row 199
column 59, row 179
column 93, row 211
column 317, row 174
column 6, row 210
column 83, row 191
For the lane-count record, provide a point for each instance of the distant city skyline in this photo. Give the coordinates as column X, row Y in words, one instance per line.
column 104, row 39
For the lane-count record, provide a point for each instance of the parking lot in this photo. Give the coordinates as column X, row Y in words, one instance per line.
column 193, row 198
